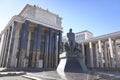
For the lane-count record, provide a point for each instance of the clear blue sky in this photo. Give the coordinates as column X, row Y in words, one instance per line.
column 98, row 16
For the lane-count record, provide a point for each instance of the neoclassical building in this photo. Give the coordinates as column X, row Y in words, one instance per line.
column 31, row 39
column 102, row 51
column 34, row 39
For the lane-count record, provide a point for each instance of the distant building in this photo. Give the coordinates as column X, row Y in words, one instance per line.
column 31, row 39
column 80, row 36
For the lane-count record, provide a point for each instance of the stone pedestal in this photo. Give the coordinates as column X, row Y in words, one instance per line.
column 71, row 62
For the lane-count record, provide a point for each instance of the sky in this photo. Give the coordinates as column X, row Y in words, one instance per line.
column 97, row 16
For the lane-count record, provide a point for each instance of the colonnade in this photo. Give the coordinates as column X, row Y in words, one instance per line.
column 30, row 45
column 101, row 53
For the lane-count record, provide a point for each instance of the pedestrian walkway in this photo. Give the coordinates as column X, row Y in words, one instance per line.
column 95, row 75
column 37, row 74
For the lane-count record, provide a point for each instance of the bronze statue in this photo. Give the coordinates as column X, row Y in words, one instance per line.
column 71, row 45
column 71, row 36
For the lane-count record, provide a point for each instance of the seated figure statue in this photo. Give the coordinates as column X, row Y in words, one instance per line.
column 71, row 36
column 71, row 45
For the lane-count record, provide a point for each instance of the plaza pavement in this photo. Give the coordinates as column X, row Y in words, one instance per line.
column 52, row 74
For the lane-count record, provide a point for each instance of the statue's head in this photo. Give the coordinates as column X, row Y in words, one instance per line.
column 70, row 30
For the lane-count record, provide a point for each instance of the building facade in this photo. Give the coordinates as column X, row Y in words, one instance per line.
column 34, row 39
column 80, row 36
column 31, row 39
column 102, row 51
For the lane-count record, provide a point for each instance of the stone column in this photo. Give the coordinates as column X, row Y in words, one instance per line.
column 105, row 55
column 59, row 44
column 46, row 49
column 28, row 44
column 111, row 52
column 10, row 48
column 83, row 52
column 109, row 57
column 91, row 55
column 38, row 45
column 34, row 48
column 28, row 48
column 1, row 45
column 101, row 53
column 57, row 54
column 50, row 47
column 116, row 54
column 6, row 48
column 97, row 55
column 8, row 41
column 3, row 49
column 19, row 53
column 24, row 41
column 15, row 47
column 55, row 49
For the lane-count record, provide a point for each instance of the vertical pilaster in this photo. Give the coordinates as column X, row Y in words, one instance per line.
column 105, row 55
column 97, row 55
column 59, row 44
column 26, row 27
column 34, row 48
column 38, row 45
column 15, row 47
column 111, row 53
column 3, row 50
column 8, row 43
column 101, row 53
column 31, row 49
column 50, row 47
column 1, row 45
column 46, row 49
column 116, row 54
column 20, row 47
column 83, row 52
column 109, row 57
column 91, row 54
column 57, row 54
column 10, row 49
column 28, row 48
column 55, row 49
column 23, row 51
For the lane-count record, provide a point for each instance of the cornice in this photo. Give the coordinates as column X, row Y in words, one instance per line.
column 113, row 35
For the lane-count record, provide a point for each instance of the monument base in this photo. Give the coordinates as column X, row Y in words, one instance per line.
column 71, row 62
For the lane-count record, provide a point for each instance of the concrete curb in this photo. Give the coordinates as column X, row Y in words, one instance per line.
column 11, row 73
column 31, row 77
column 107, row 74
column 41, row 76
